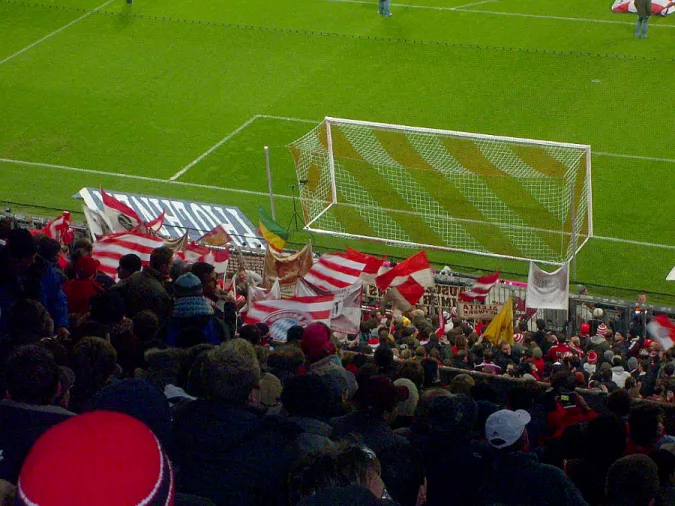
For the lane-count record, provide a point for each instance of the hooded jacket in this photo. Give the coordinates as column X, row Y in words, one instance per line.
column 619, row 376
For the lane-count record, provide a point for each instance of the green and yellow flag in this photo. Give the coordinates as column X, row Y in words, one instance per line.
column 500, row 329
column 272, row 232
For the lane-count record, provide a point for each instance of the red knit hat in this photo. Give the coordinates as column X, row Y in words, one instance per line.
column 585, row 329
column 601, row 330
column 316, row 342
column 518, row 338
column 592, row 358
column 100, row 458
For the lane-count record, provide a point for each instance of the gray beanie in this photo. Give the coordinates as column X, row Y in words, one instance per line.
column 609, row 355
column 632, row 363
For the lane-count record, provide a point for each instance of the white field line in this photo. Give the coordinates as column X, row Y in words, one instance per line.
column 636, row 243
column 474, row 4
column 212, row 149
column 21, row 51
column 634, row 157
column 286, row 118
column 140, row 178
column 464, row 8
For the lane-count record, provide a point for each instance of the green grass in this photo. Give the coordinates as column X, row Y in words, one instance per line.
column 144, row 89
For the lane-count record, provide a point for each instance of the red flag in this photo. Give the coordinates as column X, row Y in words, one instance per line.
column 480, row 288
column 346, row 317
column 372, row 264
column 59, row 229
column 120, row 215
column 416, row 267
column 216, row 237
column 156, row 224
column 663, row 329
column 407, row 294
column 282, row 314
column 334, row 271
column 110, row 248
column 217, row 257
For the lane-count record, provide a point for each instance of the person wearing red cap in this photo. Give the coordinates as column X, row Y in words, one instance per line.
column 376, row 402
column 322, row 357
column 591, row 363
column 83, row 287
column 101, row 458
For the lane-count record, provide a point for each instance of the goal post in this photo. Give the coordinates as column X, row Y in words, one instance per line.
column 507, row 197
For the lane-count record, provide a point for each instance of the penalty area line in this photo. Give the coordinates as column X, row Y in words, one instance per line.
column 140, row 178
column 55, row 32
column 636, row 243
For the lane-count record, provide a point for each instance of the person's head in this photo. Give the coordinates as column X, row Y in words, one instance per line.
column 632, row 481
column 308, row 396
column 335, row 466
column 285, row 359
column 454, row 416
column 505, row 348
column 178, row 268
column 403, row 473
column 604, row 440
column 188, row 285
column 378, row 396
column 207, row 275
column 294, row 334
column 505, row 430
column 408, row 406
column 32, row 376
column 48, row 249
column 250, row 333
column 461, row 384
column 21, row 249
column 101, row 458
column 646, row 424
column 384, row 357
column 107, row 307
column 94, row 361
column 413, row 371
column 430, row 367
column 5, row 227
column 229, row 375
column 128, row 264
column 146, row 325
column 426, row 398
column 541, row 324
column 665, row 462
column 161, row 259
column 27, row 321
column 316, row 342
column 619, row 403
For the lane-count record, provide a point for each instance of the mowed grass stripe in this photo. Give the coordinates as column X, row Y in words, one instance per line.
column 447, row 194
column 534, row 214
column 540, row 160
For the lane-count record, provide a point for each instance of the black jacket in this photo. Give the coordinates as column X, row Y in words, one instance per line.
column 231, row 455
column 20, row 426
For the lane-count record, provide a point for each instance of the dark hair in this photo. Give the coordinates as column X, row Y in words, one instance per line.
column 402, row 472
column 202, row 270
column 94, row 361
column 31, row 375
column 26, row 320
column 365, row 372
column 146, row 325
column 644, row 423
column 632, row 481
column 619, row 402
column 412, row 370
column 107, row 307
column 285, row 358
column 229, row 375
column 384, row 357
column 160, row 257
column 48, row 248
column 294, row 333
column 20, row 244
column 131, row 262
column 331, row 467
column 307, row 395
column 541, row 324
column 665, row 461
column 430, row 367
column 250, row 333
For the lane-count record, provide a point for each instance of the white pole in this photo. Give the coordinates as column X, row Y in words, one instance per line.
column 331, row 161
column 574, row 237
column 269, row 181
column 589, row 197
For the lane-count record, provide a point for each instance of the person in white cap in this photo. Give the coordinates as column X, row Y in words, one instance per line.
column 516, row 476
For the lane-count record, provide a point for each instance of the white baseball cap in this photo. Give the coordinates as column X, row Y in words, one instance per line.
column 505, row 427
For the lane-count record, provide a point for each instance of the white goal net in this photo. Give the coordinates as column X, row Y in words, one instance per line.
column 499, row 196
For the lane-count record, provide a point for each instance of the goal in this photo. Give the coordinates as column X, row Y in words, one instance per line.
column 499, row 196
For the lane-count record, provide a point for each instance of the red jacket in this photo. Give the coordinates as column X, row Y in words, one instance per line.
column 557, row 352
column 79, row 292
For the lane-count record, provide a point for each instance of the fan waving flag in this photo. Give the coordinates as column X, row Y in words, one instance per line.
column 480, row 288
column 440, row 331
column 271, row 231
column 334, row 271
column 500, row 329
column 59, row 229
column 282, row 314
column 372, row 264
column 120, row 216
column 663, row 329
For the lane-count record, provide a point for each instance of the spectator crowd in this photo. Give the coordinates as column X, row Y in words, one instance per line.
column 151, row 390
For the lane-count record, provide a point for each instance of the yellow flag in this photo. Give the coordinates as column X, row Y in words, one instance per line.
column 500, row 329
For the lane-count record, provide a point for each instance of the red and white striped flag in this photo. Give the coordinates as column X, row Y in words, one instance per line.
column 663, row 330
column 110, row 248
column 59, row 229
column 373, row 265
column 282, row 314
column 416, row 267
column 216, row 257
column 120, row 216
column 480, row 288
column 440, row 331
column 334, row 271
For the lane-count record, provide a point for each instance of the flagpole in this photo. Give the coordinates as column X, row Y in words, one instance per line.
column 269, row 181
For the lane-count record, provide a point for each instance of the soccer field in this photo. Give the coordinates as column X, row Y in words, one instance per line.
column 177, row 98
